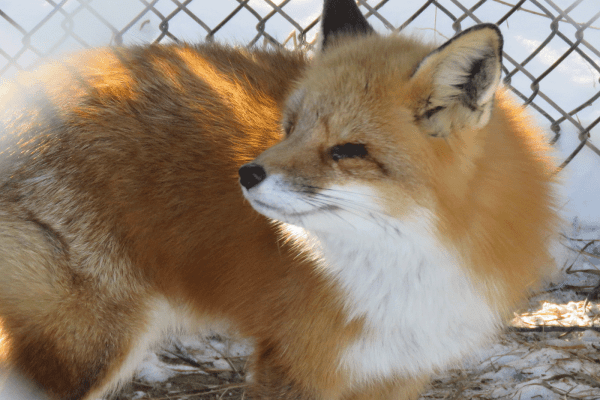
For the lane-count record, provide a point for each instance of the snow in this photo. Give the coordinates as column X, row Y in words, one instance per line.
column 516, row 366
column 520, row 369
column 153, row 370
column 213, row 350
column 581, row 177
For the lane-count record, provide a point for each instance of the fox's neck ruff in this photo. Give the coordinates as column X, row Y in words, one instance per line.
column 421, row 309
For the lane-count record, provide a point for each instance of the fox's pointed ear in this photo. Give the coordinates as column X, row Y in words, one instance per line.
column 459, row 80
column 342, row 17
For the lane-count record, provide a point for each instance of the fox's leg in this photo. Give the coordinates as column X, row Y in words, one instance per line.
column 268, row 381
column 271, row 378
column 69, row 323
column 392, row 389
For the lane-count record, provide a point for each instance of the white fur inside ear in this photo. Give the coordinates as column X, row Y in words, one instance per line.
column 465, row 74
column 455, row 72
column 487, row 95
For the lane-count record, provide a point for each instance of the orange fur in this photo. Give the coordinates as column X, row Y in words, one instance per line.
column 493, row 189
column 477, row 178
column 119, row 192
column 135, row 153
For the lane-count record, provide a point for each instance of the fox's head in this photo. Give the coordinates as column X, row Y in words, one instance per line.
column 376, row 125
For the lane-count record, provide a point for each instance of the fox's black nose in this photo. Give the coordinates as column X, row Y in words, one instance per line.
column 251, row 175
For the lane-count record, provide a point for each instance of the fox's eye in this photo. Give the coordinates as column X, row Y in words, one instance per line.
column 288, row 128
column 348, row 150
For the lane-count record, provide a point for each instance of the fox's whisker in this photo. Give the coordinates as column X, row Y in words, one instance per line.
column 320, row 204
column 353, row 208
column 347, row 191
column 350, row 206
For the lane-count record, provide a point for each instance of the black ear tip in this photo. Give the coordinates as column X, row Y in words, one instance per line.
column 342, row 17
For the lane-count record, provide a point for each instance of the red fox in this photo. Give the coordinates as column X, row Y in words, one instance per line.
column 415, row 206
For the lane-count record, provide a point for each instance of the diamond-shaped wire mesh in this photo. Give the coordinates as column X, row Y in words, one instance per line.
column 38, row 29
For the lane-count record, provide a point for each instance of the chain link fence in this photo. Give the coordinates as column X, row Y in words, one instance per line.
column 551, row 58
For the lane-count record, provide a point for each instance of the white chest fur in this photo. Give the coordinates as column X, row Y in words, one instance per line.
column 421, row 309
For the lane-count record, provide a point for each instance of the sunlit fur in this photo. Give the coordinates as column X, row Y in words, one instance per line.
column 121, row 214
column 120, row 204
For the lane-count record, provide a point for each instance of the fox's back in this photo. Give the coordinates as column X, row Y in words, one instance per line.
column 143, row 145
column 119, row 201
